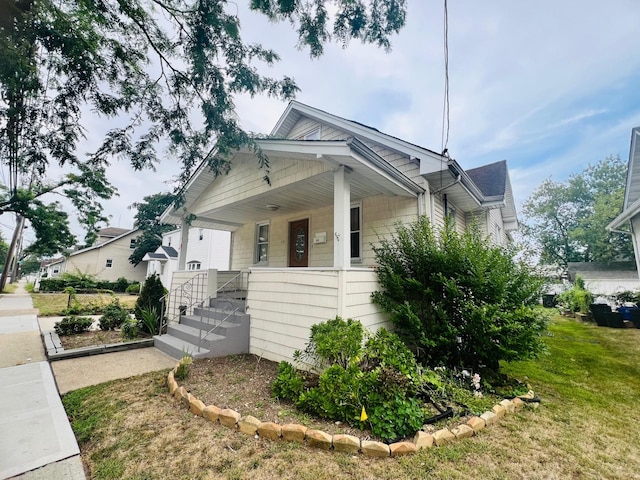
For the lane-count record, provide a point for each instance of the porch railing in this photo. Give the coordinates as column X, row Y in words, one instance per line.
column 230, row 297
column 182, row 299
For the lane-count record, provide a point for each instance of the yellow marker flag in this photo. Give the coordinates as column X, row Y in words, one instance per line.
column 363, row 415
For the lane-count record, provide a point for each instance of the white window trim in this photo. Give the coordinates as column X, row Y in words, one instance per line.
column 191, row 265
column 314, row 132
column 359, row 206
column 256, row 259
column 132, row 243
column 108, row 263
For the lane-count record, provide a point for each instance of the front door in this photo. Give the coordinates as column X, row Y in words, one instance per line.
column 299, row 243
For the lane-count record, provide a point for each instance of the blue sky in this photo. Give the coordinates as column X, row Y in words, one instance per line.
column 550, row 86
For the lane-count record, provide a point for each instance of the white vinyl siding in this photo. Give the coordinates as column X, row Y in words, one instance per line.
column 379, row 215
column 284, row 304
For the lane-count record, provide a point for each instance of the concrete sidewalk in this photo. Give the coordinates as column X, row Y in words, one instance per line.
column 37, row 441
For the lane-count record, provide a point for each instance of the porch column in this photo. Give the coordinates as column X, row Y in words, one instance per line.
column 341, row 219
column 184, row 243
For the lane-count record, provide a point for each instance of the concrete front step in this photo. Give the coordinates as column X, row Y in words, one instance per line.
column 227, row 303
column 220, row 311
column 193, row 334
column 178, row 348
column 207, row 324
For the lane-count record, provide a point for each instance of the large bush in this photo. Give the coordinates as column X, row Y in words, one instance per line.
column 457, row 300
column 150, row 298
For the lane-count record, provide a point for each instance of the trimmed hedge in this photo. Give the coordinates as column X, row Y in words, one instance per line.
column 59, row 284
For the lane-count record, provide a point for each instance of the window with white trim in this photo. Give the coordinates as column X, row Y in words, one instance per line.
column 109, row 263
column 313, row 134
column 356, row 231
column 262, row 243
column 194, row 265
column 132, row 243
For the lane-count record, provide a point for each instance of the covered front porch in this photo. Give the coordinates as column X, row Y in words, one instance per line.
column 304, row 239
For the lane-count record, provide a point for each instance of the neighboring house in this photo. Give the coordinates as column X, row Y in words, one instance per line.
column 336, row 187
column 206, row 249
column 605, row 279
column 52, row 268
column 629, row 220
column 108, row 258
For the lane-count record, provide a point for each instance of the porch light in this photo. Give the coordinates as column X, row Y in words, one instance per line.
column 272, row 207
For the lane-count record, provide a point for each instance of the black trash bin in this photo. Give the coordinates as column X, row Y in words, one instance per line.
column 549, row 300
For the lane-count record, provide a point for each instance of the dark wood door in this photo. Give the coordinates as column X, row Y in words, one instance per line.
column 299, row 243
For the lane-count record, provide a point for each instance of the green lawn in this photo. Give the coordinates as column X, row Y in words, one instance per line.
column 585, row 428
column 50, row 304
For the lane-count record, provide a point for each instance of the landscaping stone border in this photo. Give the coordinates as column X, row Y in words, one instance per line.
column 250, row 425
column 55, row 351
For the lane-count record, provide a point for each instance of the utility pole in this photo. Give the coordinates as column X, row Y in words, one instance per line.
column 11, row 253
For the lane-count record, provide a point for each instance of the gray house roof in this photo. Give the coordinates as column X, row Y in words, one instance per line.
column 603, row 271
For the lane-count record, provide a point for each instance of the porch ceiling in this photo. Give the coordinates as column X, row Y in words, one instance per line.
column 301, row 196
column 366, row 180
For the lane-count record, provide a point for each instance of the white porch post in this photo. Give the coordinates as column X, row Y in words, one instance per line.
column 184, row 243
column 341, row 219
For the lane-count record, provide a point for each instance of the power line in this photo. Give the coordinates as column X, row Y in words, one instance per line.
column 445, row 108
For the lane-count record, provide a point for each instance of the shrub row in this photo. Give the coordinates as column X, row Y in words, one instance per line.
column 92, row 286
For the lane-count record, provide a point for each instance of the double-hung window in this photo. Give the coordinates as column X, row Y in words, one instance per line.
column 109, row 263
column 262, row 243
column 356, row 232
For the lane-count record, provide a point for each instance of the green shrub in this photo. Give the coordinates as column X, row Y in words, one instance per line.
column 150, row 295
column 457, row 300
column 577, row 298
column 113, row 316
column 130, row 329
column 72, row 325
column 335, row 341
column 133, row 289
column 380, row 374
column 150, row 320
column 288, row 384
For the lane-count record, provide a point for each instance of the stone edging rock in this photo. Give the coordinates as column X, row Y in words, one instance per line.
column 341, row 443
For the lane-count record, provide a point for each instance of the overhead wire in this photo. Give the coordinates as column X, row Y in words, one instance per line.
column 445, row 106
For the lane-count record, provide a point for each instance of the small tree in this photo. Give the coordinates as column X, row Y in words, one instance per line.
column 457, row 300
column 150, row 298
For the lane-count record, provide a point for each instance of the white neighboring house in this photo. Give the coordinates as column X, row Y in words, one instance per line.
column 108, row 258
column 52, row 268
column 207, row 249
column 629, row 220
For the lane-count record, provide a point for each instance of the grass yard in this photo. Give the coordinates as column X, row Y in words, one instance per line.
column 50, row 304
column 586, row 427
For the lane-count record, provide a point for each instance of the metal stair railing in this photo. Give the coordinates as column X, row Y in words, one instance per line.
column 239, row 283
column 180, row 300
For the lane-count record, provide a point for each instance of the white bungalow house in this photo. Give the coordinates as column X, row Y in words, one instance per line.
column 207, row 249
column 305, row 241
column 629, row 220
column 108, row 258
